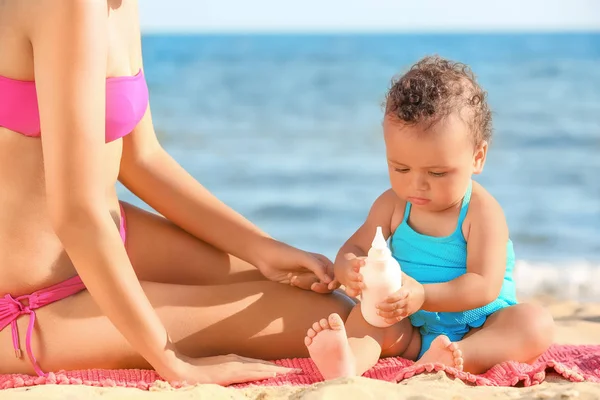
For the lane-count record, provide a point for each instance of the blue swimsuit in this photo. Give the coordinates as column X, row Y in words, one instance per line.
column 429, row 259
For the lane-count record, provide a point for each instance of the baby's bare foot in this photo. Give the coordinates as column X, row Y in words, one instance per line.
column 443, row 351
column 329, row 349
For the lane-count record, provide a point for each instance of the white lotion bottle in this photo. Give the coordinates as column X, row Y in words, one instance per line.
column 382, row 276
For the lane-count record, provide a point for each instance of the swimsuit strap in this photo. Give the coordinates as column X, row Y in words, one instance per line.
column 465, row 204
column 406, row 212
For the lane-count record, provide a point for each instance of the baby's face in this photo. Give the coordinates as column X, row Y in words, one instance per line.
column 431, row 169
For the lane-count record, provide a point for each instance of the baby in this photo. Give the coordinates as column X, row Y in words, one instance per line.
column 457, row 305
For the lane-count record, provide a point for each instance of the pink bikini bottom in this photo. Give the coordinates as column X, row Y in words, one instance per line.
column 12, row 308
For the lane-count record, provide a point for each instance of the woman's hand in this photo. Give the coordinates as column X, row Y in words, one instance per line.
column 405, row 302
column 286, row 264
column 225, row 370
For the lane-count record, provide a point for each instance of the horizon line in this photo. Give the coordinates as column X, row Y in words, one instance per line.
column 594, row 30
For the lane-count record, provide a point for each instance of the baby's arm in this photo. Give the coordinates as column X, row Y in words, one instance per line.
column 349, row 349
column 486, row 261
column 346, row 265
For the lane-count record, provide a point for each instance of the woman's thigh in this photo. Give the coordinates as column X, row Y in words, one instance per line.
column 160, row 251
column 258, row 319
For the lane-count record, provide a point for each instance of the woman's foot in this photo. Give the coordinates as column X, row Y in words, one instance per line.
column 329, row 349
column 443, row 351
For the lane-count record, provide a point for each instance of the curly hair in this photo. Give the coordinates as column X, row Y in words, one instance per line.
column 434, row 88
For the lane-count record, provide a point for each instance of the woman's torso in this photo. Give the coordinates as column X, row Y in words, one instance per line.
column 31, row 255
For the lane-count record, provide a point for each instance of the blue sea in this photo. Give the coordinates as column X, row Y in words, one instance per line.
column 286, row 129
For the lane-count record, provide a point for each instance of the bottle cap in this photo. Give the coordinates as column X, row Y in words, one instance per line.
column 379, row 248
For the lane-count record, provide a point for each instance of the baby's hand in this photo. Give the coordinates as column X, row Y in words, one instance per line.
column 405, row 302
column 347, row 272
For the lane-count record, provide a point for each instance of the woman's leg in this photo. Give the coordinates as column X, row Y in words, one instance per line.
column 258, row 319
column 160, row 251
column 517, row 333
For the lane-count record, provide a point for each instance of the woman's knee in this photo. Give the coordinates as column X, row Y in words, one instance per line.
column 338, row 302
column 301, row 303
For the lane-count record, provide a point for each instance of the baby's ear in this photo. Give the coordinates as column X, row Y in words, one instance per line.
column 479, row 157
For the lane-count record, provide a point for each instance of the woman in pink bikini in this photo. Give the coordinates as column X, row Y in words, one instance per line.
column 89, row 282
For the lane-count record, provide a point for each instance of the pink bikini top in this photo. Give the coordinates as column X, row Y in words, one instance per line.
column 126, row 104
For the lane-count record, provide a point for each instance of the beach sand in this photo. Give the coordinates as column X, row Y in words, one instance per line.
column 577, row 323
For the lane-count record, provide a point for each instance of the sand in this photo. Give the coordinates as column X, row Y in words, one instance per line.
column 577, row 323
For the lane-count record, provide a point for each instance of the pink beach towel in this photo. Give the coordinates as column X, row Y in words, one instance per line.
column 575, row 363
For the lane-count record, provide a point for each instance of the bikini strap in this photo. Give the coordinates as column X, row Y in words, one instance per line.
column 465, row 204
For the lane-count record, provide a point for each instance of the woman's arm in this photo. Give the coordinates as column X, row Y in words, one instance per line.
column 158, row 179
column 70, row 51
column 149, row 172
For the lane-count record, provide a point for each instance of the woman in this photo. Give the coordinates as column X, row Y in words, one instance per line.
column 89, row 282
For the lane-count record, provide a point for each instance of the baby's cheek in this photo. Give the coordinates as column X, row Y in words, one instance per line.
column 442, row 195
column 399, row 186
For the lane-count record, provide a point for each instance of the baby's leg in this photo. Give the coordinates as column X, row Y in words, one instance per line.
column 351, row 350
column 517, row 333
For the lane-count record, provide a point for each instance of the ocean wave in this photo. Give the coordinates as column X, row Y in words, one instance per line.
column 569, row 280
